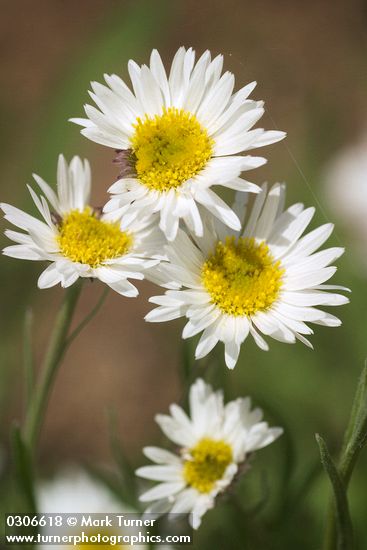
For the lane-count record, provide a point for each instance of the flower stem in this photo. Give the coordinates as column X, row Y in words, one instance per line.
column 52, row 359
column 354, row 440
column 88, row 318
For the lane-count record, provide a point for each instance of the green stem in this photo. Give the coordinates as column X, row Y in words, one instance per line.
column 340, row 502
column 354, row 441
column 88, row 318
column 330, row 529
column 51, row 362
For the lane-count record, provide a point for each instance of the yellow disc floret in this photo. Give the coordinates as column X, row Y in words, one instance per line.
column 242, row 277
column 208, row 461
column 169, row 149
column 86, row 239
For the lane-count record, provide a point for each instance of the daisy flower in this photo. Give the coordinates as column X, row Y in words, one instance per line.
column 77, row 239
column 177, row 136
column 266, row 278
column 75, row 492
column 214, row 445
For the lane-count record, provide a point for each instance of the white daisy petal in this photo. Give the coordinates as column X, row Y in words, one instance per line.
column 176, row 77
column 159, row 73
column 314, row 298
column 216, row 101
column 196, row 88
column 103, row 137
column 191, row 328
column 304, row 341
column 308, row 280
column 269, row 137
column 285, row 239
column 315, row 261
column 24, row 252
column 218, row 208
column 184, row 502
column 77, row 240
column 207, row 342
column 242, row 125
column 160, row 473
column 162, row 490
column 48, row 192
column 231, row 353
column 216, row 276
column 163, row 313
column 49, row 277
column 267, row 218
column 250, row 225
column 259, row 340
column 175, row 431
column 271, row 326
column 259, row 438
column 158, row 507
column 240, row 184
column 74, row 491
column 311, row 242
column 186, row 481
column 160, row 456
column 161, row 121
column 327, row 320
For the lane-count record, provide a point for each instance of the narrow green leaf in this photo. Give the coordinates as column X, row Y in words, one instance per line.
column 354, row 446
column 23, row 469
column 358, row 403
column 93, row 312
column 344, row 524
column 355, row 439
column 356, row 434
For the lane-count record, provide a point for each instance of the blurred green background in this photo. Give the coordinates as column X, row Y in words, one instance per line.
column 310, row 63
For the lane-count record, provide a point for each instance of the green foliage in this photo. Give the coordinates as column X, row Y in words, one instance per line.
column 344, row 523
column 23, row 470
column 339, row 527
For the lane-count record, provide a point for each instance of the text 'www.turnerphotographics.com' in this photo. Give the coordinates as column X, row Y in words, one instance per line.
column 105, row 529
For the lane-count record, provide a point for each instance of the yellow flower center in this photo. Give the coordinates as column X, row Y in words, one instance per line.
column 208, row 461
column 88, row 240
column 169, row 149
column 242, row 277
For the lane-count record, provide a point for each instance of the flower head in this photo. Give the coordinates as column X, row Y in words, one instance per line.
column 176, row 136
column 266, row 278
column 77, row 239
column 74, row 491
column 214, row 445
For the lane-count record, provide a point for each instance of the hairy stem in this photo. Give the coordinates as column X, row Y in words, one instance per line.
column 54, row 354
